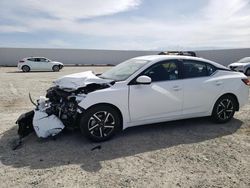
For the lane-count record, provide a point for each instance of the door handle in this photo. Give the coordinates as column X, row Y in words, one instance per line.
column 218, row 83
column 176, row 88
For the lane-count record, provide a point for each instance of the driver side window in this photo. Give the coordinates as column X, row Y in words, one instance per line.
column 163, row 71
column 43, row 60
column 37, row 60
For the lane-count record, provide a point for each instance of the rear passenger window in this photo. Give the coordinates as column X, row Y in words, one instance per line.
column 193, row 69
column 31, row 59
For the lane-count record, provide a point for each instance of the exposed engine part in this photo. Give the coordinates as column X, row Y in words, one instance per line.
column 64, row 105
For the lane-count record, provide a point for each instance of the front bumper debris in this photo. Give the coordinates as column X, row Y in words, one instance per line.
column 45, row 125
column 25, row 125
column 38, row 121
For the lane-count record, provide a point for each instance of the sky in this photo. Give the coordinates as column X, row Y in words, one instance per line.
column 125, row 24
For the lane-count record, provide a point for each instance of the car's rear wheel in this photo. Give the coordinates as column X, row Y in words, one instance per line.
column 55, row 68
column 100, row 123
column 224, row 109
column 247, row 72
column 25, row 68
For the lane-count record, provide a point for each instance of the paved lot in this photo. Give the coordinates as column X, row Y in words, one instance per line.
column 188, row 153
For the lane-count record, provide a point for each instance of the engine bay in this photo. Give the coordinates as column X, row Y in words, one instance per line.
column 59, row 108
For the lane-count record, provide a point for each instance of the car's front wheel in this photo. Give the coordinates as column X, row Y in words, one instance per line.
column 100, row 123
column 224, row 109
column 55, row 68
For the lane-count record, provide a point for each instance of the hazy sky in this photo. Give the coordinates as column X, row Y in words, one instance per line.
column 125, row 24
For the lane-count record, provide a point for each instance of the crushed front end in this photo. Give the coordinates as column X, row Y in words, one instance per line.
column 59, row 109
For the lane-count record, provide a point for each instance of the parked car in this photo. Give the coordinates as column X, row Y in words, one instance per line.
column 142, row 90
column 39, row 63
column 243, row 65
column 185, row 53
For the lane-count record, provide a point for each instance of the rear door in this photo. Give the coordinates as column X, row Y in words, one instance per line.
column 200, row 86
column 31, row 62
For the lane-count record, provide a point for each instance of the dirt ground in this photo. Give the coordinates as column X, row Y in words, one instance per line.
column 187, row 153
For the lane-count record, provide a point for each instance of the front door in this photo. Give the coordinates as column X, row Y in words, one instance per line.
column 44, row 64
column 160, row 100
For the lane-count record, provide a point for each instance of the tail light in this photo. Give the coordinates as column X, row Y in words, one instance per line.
column 246, row 81
column 21, row 61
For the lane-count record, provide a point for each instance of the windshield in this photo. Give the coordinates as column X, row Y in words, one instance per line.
column 244, row 60
column 124, row 70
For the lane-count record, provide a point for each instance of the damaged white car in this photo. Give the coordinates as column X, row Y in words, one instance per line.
column 142, row 90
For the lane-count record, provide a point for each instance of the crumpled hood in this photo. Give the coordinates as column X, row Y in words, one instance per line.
column 77, row 80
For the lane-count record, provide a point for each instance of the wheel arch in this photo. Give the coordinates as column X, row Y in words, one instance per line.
column 60, row 66
column 26, row 66
column 55, row 65
column 110, row 105
column 232, row 95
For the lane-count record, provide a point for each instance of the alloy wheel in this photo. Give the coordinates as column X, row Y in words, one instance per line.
column 55, row 68
column 25, row 68
column 225, row 109
column 101, row 124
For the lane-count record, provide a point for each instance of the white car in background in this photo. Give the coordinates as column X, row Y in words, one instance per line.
column 243, row 65
column 142, row 90
column 39, row 63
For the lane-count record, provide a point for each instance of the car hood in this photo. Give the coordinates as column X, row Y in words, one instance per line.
column 56, row 62
column 236, row 64
column 77, row 80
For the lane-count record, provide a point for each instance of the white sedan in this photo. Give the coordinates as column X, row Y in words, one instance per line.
column 142, row 90
column 243, row 65
column 39, row 63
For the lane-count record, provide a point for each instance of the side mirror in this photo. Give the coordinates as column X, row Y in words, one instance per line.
column 143, row 80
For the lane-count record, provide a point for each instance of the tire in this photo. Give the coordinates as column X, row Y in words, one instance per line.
column 25, row 68
column 247, row 73
column 55, row 68
column 100, row 123
column 224, row 109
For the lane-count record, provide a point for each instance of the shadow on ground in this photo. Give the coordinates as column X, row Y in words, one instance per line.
column 72, row 148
